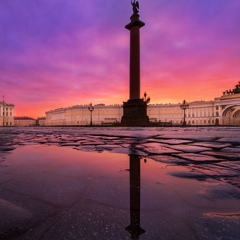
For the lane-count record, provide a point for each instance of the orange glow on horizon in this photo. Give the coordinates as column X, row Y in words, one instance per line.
column 50, row 60
column 158, row 96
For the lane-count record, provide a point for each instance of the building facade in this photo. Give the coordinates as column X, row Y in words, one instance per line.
column 224, row 110
column 80, row 115
column 24, row 122
column 41, row 121
column 6, row 114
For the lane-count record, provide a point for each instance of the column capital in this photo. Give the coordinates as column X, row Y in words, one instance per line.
column 135, row 22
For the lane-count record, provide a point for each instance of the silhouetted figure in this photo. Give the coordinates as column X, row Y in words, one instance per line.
column 135, row 6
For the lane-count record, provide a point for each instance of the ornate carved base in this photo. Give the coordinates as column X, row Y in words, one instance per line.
column 135, row 113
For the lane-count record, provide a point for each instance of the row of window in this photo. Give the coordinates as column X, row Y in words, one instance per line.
column 10, row 114
column 203, row 115
column 196, row 122
column 10, row 109
column 8, row 124
column 202, row 122
column 188, row 113
column 181, row 115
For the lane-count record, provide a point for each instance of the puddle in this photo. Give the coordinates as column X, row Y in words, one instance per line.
column 64, row 185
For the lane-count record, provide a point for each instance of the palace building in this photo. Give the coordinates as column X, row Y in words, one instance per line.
column 24, row 121
column 79, row 115
column 224, row 110
column 6, row 114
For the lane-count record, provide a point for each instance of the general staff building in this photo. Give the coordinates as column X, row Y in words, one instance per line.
column 224, row 110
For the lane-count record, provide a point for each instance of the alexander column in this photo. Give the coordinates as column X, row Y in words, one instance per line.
column 135, row 109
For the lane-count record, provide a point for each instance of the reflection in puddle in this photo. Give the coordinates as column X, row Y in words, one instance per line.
column 75, row 194
column 135, row 190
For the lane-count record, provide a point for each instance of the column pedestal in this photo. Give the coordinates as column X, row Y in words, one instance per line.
column 135, row 113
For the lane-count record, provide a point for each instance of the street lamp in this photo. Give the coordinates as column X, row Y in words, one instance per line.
column 184, row 106
column 91, row 108
column 3, row 112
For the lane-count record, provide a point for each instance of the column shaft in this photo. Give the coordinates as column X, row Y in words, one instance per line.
column 134, row 63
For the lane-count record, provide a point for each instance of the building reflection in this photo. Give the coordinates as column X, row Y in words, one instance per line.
column 135, row 192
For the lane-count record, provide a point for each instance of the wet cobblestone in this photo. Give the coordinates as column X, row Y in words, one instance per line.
column 186, row 146
column 65, row 198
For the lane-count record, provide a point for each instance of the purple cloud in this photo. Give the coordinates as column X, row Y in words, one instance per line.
column 59, row 53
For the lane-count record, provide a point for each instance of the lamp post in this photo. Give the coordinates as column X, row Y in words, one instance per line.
column 184, row 106
column 3, row 112
column 91, row 108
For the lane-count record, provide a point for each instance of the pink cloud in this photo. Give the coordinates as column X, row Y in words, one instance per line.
column 62, row 53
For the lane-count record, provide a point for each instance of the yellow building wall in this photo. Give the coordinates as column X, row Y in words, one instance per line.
column 6, row 114
column 222, row 111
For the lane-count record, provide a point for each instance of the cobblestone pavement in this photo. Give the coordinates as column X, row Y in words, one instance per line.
column 205, row 154
column 198, row 147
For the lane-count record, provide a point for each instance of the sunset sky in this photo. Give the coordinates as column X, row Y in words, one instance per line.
column 60, row 53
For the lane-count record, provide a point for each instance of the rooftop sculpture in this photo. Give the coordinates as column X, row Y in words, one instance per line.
column 233, row 91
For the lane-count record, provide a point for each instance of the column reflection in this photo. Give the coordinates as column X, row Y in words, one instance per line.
column 135, row 191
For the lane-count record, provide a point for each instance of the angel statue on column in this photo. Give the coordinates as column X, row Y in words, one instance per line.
column 135, row 6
